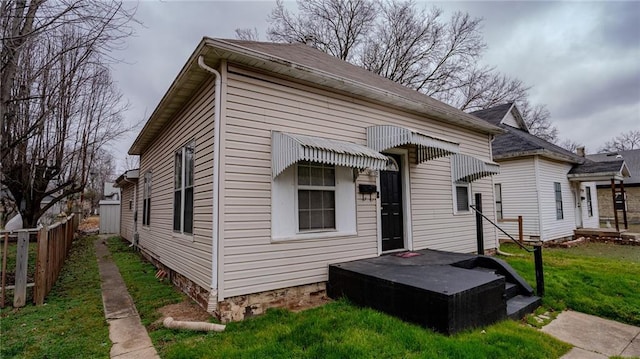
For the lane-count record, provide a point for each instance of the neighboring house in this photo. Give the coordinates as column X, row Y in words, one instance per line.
column 631, row 187
column 552, row 189
column 111, row 192
column 128, row 185
column 252, row 181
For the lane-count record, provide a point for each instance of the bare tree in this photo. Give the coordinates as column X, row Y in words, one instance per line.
column 625, row 141
column 538, row 121
column 337, row 27
column 58, row 103
column 570, row 145
column 417, row 48
column 247, row 34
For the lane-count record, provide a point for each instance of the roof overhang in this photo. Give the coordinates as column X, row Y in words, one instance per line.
column 127, row 177
column 467, row 168
column 538, row 152
column 597, row 176
column 382, row 138
column 288, row 149
column 191, row 77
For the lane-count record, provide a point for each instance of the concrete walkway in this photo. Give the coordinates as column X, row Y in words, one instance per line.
column 594, row 337
column 129, row 337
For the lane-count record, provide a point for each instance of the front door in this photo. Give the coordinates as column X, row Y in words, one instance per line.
column 391, row 203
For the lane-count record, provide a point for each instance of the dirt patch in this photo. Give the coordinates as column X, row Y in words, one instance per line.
column 186, row 311
column 90, row 225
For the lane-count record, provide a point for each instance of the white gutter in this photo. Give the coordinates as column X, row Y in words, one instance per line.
column 213, row 295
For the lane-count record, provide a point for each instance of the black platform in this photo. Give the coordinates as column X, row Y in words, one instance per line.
column 445, row 291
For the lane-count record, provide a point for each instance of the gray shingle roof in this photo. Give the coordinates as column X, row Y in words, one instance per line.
column 631, row 159
column 494, row 114
column 597, row 167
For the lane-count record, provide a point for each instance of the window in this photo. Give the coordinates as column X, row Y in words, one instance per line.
column 498, row 194
column 558, row 190
column 130, row 204
column 462, row 197
column 146, row 199
column 183, row 189
column 589, row 202
column 316, row 196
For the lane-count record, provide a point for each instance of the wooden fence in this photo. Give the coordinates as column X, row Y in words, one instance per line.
column 53, row 245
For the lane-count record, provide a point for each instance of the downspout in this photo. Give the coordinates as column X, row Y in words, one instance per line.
column 213, row 294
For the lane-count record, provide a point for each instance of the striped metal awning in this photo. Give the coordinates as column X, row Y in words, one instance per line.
column 288, row 149
column 468, row 168
column 382, row 138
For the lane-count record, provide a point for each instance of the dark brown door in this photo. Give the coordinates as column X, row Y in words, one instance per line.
column 391, row 202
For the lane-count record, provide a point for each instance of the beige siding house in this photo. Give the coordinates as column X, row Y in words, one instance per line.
column 128, row 183
column 552, row 189
column 264, row 163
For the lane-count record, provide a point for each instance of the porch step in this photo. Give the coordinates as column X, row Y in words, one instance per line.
column 520, row 305
column 510, row 290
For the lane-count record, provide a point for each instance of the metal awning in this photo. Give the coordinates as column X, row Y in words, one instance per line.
column 287, row 149
column 468, row 168
column 381, row 138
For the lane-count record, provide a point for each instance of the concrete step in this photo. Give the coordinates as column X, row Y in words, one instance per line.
column 520, row 305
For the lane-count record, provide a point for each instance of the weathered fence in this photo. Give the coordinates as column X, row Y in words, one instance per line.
column 53, row 245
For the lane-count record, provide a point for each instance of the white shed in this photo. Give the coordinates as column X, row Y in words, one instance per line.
column 109, row 216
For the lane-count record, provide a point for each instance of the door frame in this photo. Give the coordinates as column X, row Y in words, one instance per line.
column 406, row 203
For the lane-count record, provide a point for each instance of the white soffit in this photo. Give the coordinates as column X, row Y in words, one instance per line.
column 287, row 149
column 468, row 168
column 382, row 138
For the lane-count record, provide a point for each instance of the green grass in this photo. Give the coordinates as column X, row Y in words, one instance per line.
column 595, row 278
column 71, row 324
column 335, row 330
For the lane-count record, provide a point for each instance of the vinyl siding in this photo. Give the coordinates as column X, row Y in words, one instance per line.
column 185, row 254
column 126, row 214
column 548, row 173
column 255, row 105
column 519, row 196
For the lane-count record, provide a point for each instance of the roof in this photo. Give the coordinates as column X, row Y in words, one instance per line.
column 301, row 62
column 128, row 176
column 494, row 114
column 599, row 171
column 519, row 143
column 631, row 159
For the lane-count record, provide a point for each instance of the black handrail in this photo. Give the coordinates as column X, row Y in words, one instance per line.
column 537, row 254
column 502, row 230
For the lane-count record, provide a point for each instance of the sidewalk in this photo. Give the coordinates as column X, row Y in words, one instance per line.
column 594, row 337
column 129, row 337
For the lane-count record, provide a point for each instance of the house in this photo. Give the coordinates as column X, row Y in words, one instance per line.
column 553, row 189
column 265, row 163
column 631, row 187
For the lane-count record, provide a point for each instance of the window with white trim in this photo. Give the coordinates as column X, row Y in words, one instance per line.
column 316, row 196
column 462, row 196
column 498, row 194
column 146, row 199
column 183, row 189
column 311, row 200
column 558, row 193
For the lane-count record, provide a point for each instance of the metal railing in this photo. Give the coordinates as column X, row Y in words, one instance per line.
column 537, row 249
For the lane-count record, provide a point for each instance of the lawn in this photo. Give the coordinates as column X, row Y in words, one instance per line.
column 595, row 278
column 335, row 330
column 71, row 324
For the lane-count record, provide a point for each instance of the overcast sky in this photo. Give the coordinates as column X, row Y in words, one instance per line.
column 582, row 59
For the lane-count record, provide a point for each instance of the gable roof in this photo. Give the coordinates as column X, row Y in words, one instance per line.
column 631, row 159
column 300, row 62
column 494, row 115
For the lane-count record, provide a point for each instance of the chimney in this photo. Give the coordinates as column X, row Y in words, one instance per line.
column 580, row 151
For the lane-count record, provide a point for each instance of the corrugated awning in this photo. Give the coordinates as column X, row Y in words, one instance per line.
column 468, row 168
column 287, row 149
column 381, row 138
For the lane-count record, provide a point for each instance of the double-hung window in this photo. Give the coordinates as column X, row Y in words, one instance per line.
column 146, row 199
column 316, row 184
column 498, row 194
column 558, row 192
column 183, row 189
column 462, row 197
column 589, row 201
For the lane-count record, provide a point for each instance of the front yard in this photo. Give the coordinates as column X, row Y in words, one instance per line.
column 598, row 279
